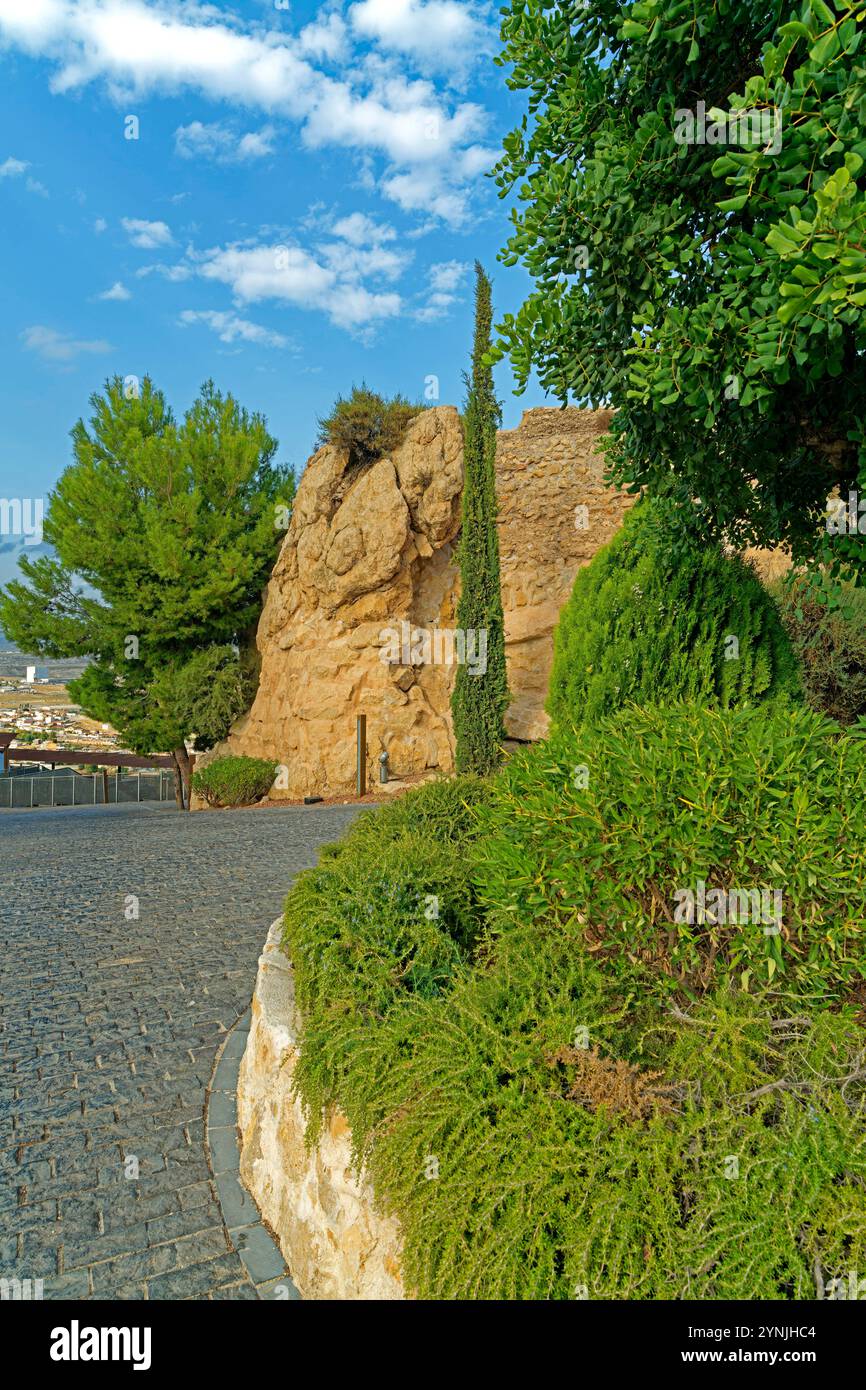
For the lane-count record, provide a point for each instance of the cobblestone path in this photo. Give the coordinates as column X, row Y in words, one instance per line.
column 109, row 1027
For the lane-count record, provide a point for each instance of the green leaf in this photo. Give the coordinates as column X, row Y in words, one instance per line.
column 826, row 48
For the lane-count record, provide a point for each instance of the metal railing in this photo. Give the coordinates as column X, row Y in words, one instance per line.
column 19, row 792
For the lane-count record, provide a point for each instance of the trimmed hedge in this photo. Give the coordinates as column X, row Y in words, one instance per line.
column 648, row 622
column 234, row 781
column 546, row 1080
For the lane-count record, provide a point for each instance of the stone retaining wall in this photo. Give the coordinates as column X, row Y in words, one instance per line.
column 335, row 1244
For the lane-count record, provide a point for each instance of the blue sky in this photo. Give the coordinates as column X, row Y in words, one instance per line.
column 300, row 209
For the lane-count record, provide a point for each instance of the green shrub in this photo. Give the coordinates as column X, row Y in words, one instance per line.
column 445, row 810
column 541, row 1194
column 368, row 929
column 234, row 781
column 367, row 425
column 648, row 622
column 514, row 1176
column 830, row 644
column 548, row 1079
column 614, row 825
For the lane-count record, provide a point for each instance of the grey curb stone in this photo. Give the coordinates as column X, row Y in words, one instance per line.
column 261, row 1256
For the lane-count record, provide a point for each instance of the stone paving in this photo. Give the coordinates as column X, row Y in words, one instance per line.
column 129, row 939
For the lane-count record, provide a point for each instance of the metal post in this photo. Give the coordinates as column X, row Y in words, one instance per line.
column 73, row 788
column 117, row 788
column 139, row 786
column 362, row 754
column 52, row 788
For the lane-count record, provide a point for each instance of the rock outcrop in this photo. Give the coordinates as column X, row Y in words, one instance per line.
column 336, row 1245
column 368, row 563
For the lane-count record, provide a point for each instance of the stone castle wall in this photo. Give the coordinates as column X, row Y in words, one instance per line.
column 366, row 553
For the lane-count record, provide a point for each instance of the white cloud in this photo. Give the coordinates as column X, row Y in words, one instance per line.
column 325, row 38
column 177, row 46
column 422, row 192
column 14, row 168
column 60, row 347
column 361, row 230
column 256, row 143
column 447, row 275
column 231, row 328
column 100, row 225
column 327, row 281
column 444, row 280
column 146, row 235
column 118, row 292
column 437, row 34
column 175, row 273
column 357, row 263
column 221, row 143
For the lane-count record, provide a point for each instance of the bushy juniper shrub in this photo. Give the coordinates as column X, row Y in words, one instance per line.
column 651, row 621
column 234, row 781
column 368, row 426
column 549, row 1101
column 770, row 799
column 830, row 644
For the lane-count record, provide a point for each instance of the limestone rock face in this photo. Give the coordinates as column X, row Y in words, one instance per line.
column 369, row 557
column 364, row 553
column 336, row 1245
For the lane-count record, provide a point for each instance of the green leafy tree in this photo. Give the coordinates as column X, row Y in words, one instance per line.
column 692, row 209
column 649, row 623
column 480, row 699
column 164, row 535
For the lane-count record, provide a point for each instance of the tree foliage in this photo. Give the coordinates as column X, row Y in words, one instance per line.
column 164, row 535
column 480, row 699
column 713, row 292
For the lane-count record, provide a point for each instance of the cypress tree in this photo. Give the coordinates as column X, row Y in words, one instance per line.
column 480, row 700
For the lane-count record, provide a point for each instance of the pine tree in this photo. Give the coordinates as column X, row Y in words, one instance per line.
column 481, row 698
column 163, row 536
